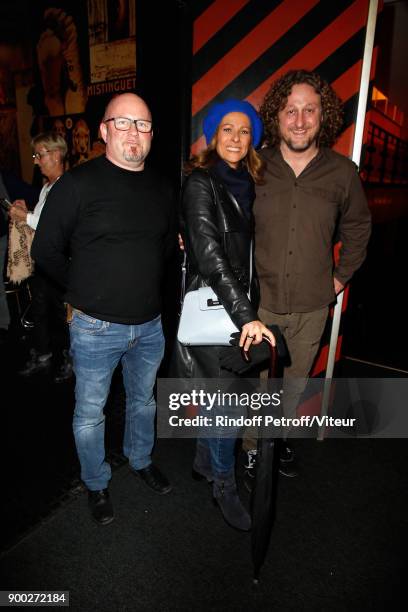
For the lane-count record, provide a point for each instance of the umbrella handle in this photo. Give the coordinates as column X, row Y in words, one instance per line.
column 273, row 356
column 245, row 355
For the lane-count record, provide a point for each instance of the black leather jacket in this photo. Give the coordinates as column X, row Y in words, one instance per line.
column 217, row 237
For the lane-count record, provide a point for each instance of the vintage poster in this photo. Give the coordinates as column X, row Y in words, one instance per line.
column 83, row 54
column 112, row 45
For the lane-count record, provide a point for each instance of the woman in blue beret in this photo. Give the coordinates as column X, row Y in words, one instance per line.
column 217, row 229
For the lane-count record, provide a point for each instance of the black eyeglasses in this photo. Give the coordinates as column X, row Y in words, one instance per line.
column 124, row 124
column 40, row 155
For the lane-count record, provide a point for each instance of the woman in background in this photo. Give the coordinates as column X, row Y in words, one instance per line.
column 50, row 332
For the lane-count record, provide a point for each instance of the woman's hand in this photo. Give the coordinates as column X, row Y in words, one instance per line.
column 18, row 212
column 21, row 204
column 252, row 333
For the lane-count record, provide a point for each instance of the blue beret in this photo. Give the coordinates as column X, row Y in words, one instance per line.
column 218, row 111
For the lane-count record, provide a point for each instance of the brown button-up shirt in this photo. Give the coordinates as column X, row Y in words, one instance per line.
column 296, row 220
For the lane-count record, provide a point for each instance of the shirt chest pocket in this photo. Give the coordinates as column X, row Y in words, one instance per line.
column 325, row 203
column 334, row 196
column 319, row 211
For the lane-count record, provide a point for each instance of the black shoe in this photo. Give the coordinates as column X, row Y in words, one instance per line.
column 288, row 470
column 287, row 454
column 63, row 373
column 199, row 477
column 100, row 506
column 154, row 479
column 36, row 364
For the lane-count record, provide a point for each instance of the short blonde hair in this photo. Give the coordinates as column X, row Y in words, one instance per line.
column 52, row 142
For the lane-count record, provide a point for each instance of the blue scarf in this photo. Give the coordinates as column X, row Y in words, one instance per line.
column 239, row 182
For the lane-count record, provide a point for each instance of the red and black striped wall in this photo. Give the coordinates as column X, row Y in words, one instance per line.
column 241, row 46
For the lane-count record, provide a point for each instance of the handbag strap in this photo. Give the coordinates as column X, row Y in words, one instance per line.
column 184, row 263
column 183, row 278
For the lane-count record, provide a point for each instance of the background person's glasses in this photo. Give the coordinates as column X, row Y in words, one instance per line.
column 40, row 155
column 124, row 124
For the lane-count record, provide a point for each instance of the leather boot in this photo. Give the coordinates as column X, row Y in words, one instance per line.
column 202, row 463
column 226, row 497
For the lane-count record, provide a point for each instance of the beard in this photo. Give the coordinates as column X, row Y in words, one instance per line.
column 300, row 146
column 134, row 153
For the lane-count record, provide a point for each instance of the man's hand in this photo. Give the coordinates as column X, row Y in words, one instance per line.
column 338, row 286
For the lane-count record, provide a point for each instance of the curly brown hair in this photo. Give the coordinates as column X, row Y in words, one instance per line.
column 209, row 156
column 276, row 98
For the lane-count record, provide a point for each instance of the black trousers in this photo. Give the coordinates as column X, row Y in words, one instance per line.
column 50, row 332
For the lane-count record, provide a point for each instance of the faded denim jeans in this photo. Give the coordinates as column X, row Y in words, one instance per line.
column 97, row 347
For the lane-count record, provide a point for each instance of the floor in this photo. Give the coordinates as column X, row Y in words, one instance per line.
column 339, row 536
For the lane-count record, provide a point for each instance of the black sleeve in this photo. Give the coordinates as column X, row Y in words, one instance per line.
column 59, row 217
column 204, row 240
column 171, row 239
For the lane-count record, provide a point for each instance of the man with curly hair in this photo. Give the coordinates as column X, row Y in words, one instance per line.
column 310, row 194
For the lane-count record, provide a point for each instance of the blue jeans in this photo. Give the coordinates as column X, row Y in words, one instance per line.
column 221, row 440
column 97, row 347
column 222, row 455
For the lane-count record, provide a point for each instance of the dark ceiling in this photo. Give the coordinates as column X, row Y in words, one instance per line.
column 14, row 21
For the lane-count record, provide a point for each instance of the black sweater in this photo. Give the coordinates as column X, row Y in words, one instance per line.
column 105, row 234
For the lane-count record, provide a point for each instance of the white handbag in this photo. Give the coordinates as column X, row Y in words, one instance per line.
column 204, row 320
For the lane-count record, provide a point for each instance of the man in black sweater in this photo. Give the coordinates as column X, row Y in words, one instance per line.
column 105, row 234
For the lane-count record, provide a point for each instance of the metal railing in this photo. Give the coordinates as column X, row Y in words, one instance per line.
column 385, row 158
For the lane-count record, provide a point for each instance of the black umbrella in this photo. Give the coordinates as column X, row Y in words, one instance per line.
column 263, row 494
